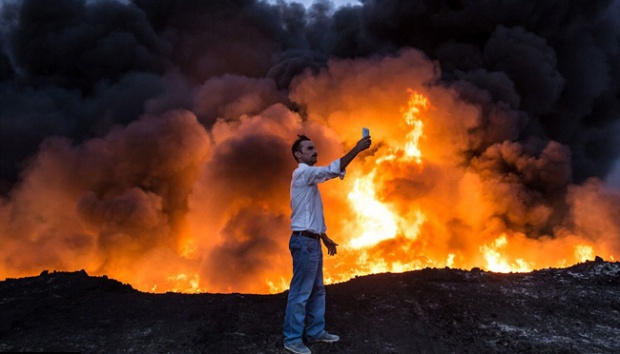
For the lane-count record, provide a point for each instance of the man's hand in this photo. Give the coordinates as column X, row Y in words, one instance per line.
column 363, row 144
column 331, row 245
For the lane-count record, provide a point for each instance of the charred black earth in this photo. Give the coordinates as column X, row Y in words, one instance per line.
column 569, row 310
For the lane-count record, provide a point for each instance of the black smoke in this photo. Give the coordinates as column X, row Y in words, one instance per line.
column 77, row 68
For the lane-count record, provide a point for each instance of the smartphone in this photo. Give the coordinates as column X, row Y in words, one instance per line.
column 365, row 132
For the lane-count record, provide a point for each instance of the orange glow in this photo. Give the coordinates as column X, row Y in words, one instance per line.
column 167, row 204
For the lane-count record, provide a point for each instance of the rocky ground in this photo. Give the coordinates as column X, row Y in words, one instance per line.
column 571, row 310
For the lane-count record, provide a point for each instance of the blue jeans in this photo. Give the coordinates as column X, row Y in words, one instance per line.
column 306, row 297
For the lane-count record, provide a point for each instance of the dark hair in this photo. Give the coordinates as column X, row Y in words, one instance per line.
column 297, row 144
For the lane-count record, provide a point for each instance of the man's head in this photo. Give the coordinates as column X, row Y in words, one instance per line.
column 304, row 150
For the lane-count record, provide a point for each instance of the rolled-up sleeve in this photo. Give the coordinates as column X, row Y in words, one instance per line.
column 315, row 175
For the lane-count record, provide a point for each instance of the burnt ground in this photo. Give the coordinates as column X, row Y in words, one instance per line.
column 570, row 310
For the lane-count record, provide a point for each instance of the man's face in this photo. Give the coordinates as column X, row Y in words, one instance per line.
column 308, row 153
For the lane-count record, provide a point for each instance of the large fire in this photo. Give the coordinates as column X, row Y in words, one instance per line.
column 166, row 204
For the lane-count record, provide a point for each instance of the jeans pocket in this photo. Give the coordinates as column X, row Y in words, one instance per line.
column 295, row 244
column 311, row 245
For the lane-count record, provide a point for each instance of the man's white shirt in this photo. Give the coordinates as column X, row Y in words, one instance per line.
column 306, row 203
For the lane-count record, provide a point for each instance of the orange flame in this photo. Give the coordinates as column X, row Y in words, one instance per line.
column 174, row 214
column 497, row 262
column 375, row 221
column 416, row 104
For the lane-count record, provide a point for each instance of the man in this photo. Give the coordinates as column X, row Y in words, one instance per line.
column 306, row 298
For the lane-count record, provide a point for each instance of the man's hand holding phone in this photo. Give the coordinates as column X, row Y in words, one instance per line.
column 365, row 142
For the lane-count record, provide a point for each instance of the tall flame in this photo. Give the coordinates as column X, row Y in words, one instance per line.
column 376, row 221
column 417, row 102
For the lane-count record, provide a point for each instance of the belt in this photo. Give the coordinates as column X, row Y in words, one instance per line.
column 306, row 233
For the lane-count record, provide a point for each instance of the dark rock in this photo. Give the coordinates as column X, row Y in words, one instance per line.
column 440, row 311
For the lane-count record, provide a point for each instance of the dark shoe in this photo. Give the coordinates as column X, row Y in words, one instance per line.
column 325, row 337
column 297, row 348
